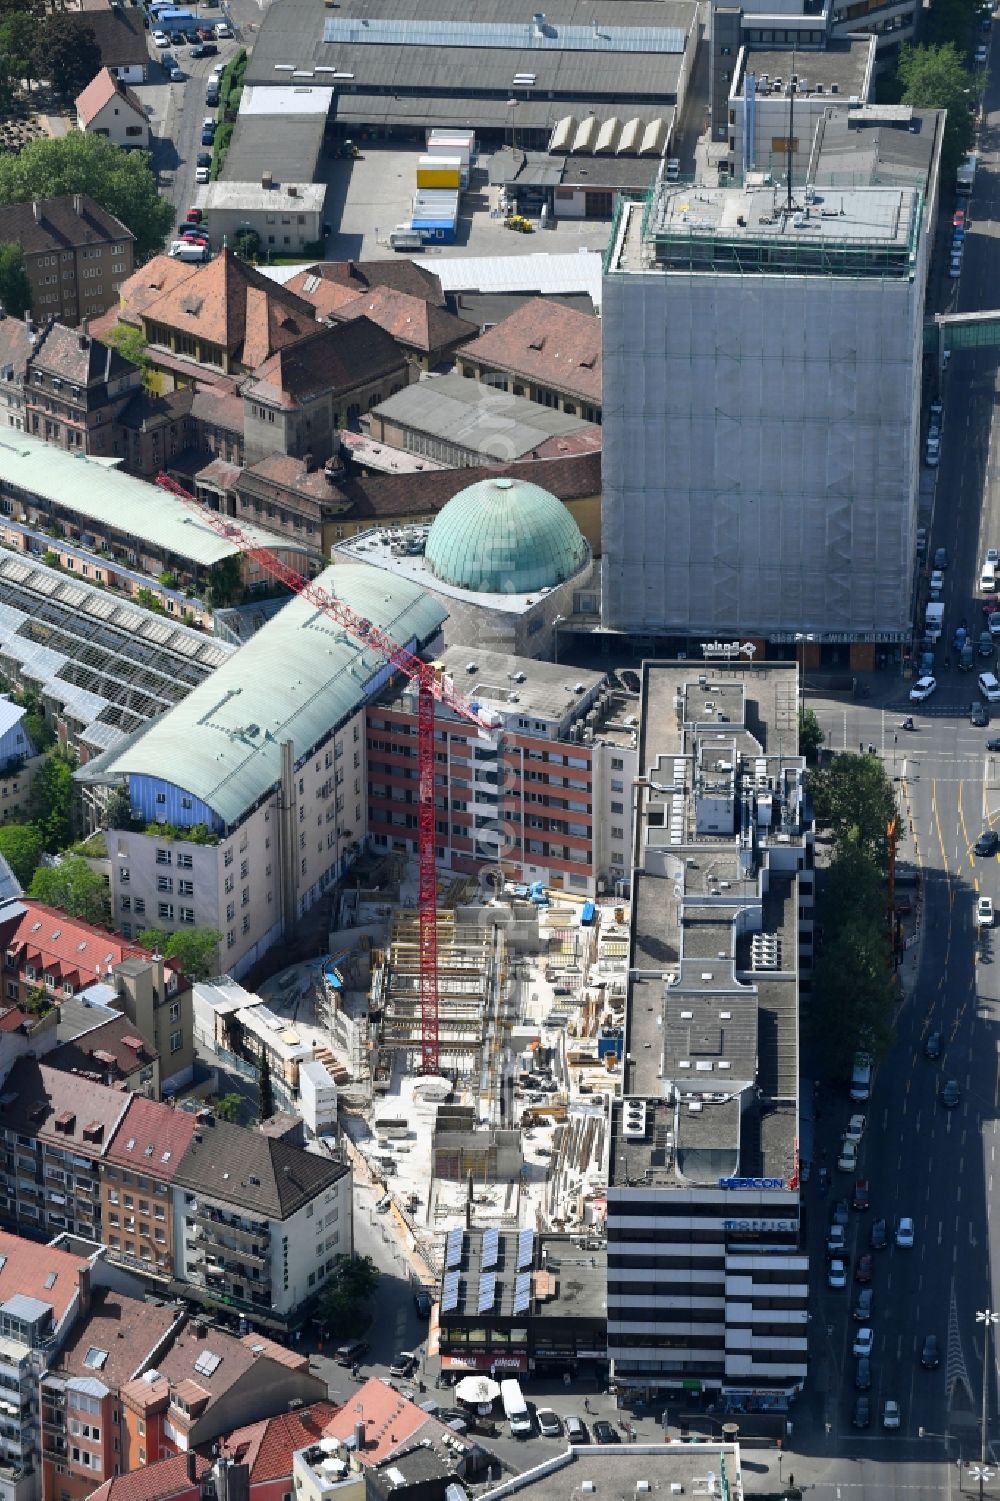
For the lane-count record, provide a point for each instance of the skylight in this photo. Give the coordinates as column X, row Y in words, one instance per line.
column 95, row 1358
column 207, row 1362
column 50, row 1280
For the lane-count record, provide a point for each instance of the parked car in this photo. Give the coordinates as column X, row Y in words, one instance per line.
column 204, row 159
column 207, row 136
column 604, row 1433
column 840, row 1214
column 890, row 1414
column 206, row 33
column 982, row 55
column 223, row 29
column 984, row 912
column 863, row 1374
column 862, row 1415
column 404, row 1364
column 848, row 1159
column 855, row 1128
column 863, row 1307
column 863, row 1270
column 836, row 1276
column 161, row 39
column 879, row 1237
column 351, row 1353
column 940, row 559
column 861, row 1198
column 201, row 174
column 836, row 1241
column 576, row 1430
column 979, row 715
column 549, row 1423
column 422, row 1302
column 864, row 1342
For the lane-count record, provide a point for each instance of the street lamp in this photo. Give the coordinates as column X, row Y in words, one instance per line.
column 801, row 637
column 980, row 1473
column 986, row 1317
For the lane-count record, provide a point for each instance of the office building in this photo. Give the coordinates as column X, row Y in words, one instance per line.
column 708, row 1279
column 562, row 798
column 258, row 775
column 763, row 366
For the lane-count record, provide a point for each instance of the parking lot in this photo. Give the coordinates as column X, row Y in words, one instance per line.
column 368, row 197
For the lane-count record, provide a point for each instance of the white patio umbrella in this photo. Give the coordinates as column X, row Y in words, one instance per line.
column 477, row 1389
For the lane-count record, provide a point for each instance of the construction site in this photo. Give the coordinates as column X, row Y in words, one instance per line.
column 511, row 1130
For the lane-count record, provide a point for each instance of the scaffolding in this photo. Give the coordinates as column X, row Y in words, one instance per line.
column 471, row 974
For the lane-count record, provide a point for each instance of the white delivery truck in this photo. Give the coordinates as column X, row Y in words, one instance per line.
column 934, row 621
column 515, row 1409
column 861, row 1077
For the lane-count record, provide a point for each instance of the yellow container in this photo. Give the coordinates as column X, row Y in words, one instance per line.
column 439, row 177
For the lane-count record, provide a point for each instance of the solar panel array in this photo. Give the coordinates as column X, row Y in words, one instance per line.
column 525, row 1248
column 487, row 1291
column 491, row 1248
column 498, row 36
column 453, row 1248
column 449, row 1293
column 522, row 1292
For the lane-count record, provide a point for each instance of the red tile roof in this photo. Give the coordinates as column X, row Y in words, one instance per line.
column 259, row 1344
column 157, row 1482
column 152, row 1136
column 74, row 1113
column 548, row 343
column 27, row 1267
column 127, row 1330
column 101, row 89
column 412, row 321
column 72, row 950
column 267, row 1447
column 389, row 1420
column 12, row 1017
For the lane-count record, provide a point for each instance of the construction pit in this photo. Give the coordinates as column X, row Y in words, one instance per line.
column 511, row 1130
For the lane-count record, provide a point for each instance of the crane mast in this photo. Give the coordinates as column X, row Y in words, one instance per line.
column 432, row 688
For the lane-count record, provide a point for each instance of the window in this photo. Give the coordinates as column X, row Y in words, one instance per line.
column 140, row 905
column 618, row 807
column 187, row 914
column 175, row 1011
column 176, row 1041
column 617, row 833
column 166, row 910
column 230, row 939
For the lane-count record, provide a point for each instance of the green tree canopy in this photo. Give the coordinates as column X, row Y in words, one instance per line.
column 811, row 737
column 342, row 1307
column 66, row 53
column 120, row 181
column 229, row 1108
column 131, row 345
column 17, row 44
column 21, row 847
column 854, row 987
column 246, row 243
column 15, row 288
column 50, row 802
column 854, row 799
column 76, row 888
column 935, row 78
column 195, row 949
column 266, row 1104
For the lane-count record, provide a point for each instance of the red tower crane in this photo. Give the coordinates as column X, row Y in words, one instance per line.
column 432, row 687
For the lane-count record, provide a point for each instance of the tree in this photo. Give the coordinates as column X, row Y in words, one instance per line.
column 266, row 1102
column 120, row 181
column 17, row 45
column 50, row 802
column 21, row 847
column 854, row 987
column 246, row 243
column 341, row 1309
column 935, row 78
column 853, row 798
column 15, row 288
column 811, row 737
column 229, row 1107
column 131, row 345
column 195, row 949
column 67, row 54
column 74, row 887
column 118, row 810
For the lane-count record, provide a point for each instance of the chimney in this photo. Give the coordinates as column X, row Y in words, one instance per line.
column 293, row 191
column 83, row 1279
column 36, row 209
column 191, row 1465
column 308, row 463
column 83, row 335
column 359, row 1435
column 78, row 204
column 266, row 181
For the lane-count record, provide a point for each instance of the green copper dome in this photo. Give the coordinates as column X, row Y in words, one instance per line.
column 505, row 536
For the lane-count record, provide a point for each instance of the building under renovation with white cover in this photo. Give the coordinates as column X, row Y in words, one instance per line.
column 762, row 395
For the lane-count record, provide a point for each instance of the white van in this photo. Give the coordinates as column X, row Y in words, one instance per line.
column 861, row 1078
column 186, row 250
column 988, row 578
column 515, row 1409
column 989, row 687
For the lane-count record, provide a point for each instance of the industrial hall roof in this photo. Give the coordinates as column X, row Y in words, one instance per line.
column 298, row 678
column 407, row 50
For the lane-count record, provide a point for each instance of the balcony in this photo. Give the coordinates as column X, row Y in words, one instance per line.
column 206, row 1215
